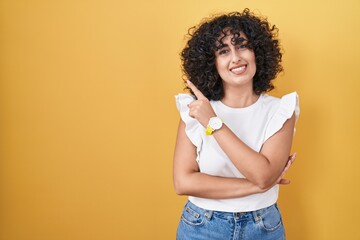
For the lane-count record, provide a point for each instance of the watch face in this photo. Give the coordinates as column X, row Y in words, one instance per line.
column 215, row 123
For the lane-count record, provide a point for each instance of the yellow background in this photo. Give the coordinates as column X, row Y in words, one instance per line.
column 88, row 119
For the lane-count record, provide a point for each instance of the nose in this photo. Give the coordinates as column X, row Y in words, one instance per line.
column 236, row 57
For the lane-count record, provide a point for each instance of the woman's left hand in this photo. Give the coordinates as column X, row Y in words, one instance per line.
column 201, row 108
column 281, row 180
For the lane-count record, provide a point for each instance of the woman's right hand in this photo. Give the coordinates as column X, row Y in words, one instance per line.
column 201, row 108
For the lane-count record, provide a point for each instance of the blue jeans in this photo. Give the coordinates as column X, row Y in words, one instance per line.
column 200, row 224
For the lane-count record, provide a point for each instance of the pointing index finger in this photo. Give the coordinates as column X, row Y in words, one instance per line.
column 195, row 90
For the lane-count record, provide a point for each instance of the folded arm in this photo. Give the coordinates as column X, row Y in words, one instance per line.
column 261, row 168
column 189, row 181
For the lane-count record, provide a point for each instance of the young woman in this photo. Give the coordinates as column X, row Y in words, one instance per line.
column 233, row 140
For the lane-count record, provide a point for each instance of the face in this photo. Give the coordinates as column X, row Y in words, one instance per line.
column 235, row 62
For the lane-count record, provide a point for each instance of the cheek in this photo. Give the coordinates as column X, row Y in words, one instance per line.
column 254, row 65
column 221, row 70
column 253, row 57
column 252, row 61
column 220, row 64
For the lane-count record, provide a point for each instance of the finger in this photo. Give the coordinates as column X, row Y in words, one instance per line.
column 284, row 181
column 286, row 168
column 293, row 157
column 288, row 164
column 195, row 90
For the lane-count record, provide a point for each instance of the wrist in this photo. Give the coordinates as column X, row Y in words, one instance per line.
column 215, row 123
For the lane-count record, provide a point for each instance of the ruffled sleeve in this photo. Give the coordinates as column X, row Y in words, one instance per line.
column 192, row 127
column 288, row 105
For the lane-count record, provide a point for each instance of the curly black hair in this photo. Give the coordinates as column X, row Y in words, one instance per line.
column 198, row 56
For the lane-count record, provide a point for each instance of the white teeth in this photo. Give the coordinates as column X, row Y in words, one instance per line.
column 239, row 69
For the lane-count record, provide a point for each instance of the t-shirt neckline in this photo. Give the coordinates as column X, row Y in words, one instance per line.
column 250, row 107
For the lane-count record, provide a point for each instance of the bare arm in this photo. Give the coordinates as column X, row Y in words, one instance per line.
column 189, row 181
column 262, row 169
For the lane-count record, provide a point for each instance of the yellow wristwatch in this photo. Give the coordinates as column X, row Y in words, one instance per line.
column 215, row 123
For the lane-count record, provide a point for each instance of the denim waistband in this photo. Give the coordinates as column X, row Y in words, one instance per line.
column 255, row 215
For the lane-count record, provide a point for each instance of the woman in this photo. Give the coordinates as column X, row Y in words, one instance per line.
column 233, row 140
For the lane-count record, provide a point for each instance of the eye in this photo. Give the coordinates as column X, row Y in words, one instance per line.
column 223, row 51
column 242, row 46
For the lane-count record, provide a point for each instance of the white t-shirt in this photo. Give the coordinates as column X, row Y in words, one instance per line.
column 253, row 125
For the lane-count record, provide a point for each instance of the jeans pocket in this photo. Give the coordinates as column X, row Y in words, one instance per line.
column 270, row 219
column 192, row 217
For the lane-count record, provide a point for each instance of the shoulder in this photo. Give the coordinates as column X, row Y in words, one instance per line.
column 193, row 128
column 282, row 109
column 182, row 100
column 269, row 101
column 288, row 101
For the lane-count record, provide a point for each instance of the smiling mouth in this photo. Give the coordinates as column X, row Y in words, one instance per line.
column 238, row 70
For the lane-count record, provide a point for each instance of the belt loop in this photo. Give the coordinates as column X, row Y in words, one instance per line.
column 256, row 216
column 208, row 214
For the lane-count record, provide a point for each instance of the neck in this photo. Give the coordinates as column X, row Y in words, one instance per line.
column 239, row 98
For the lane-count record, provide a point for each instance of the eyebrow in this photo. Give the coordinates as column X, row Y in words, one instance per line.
column 237, row 41
column 221, row 46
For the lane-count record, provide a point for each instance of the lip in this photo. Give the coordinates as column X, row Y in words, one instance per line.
column 238, row 66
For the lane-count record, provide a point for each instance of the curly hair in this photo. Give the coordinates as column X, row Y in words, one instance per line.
column 198, row 56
